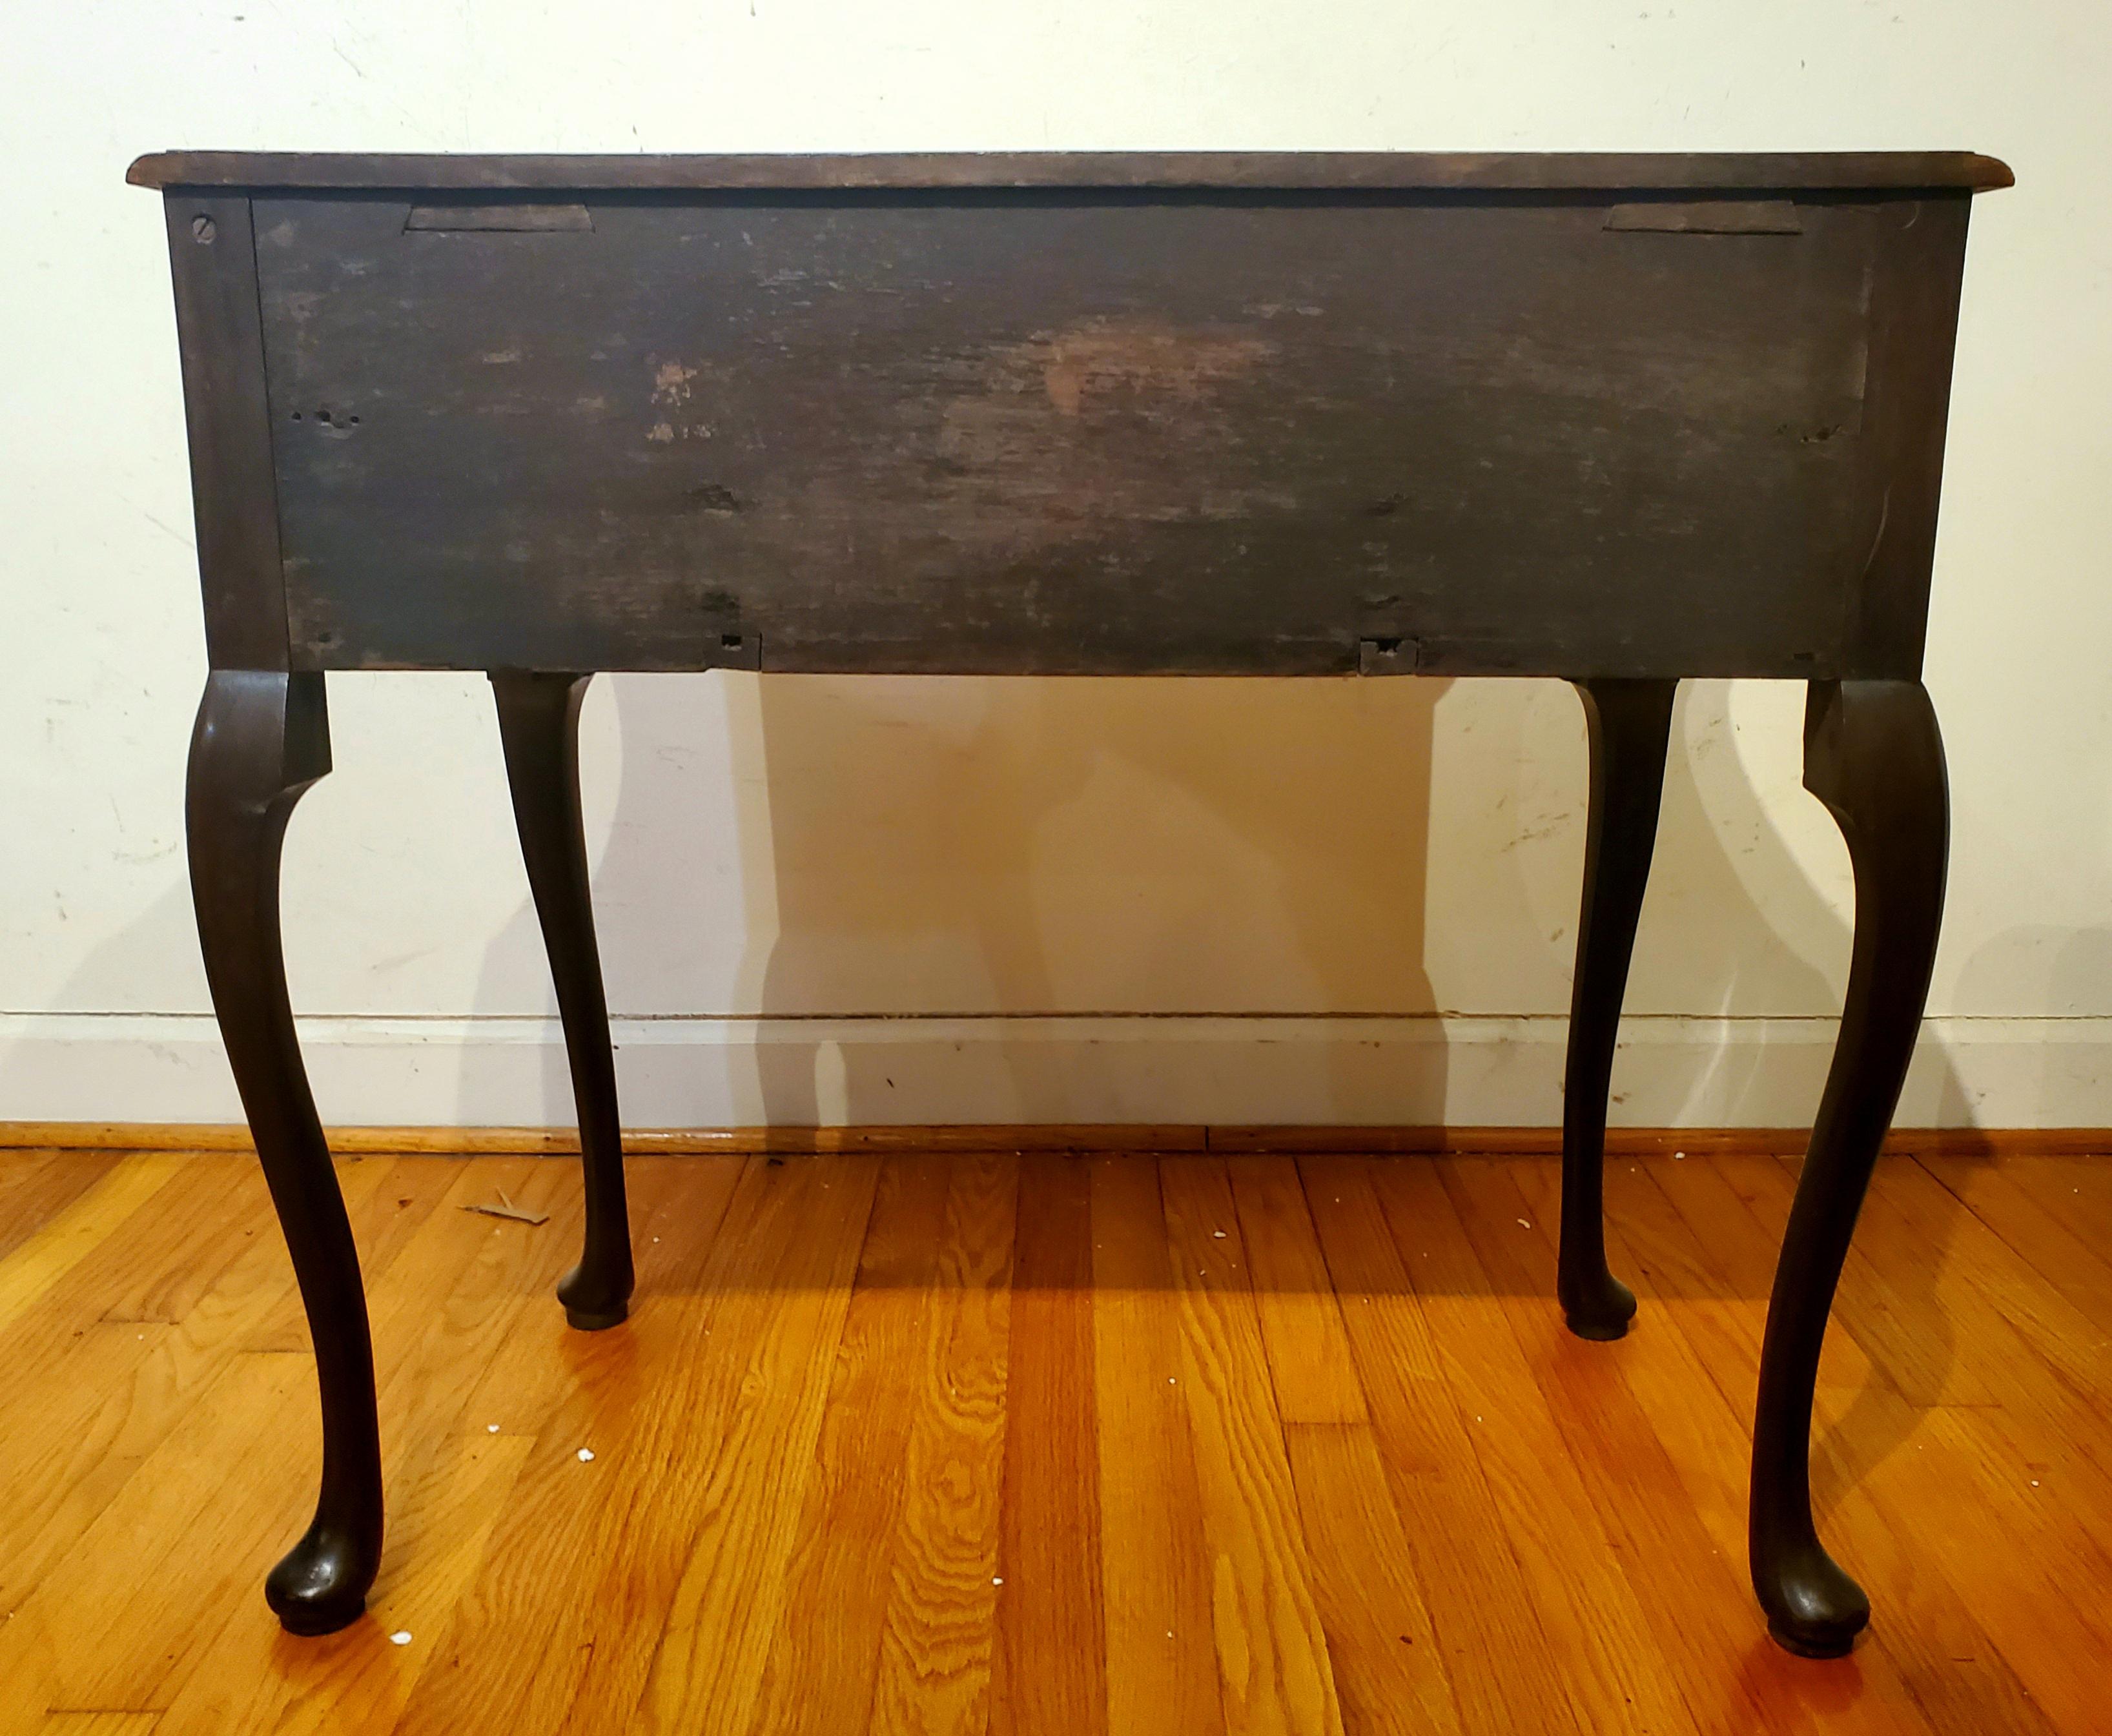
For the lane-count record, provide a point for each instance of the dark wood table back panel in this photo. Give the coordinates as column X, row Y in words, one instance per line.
column 1105, row 431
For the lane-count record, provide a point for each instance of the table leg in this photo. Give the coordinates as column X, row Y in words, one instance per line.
column 1630, row 723
column 539, row 722
column 262, row 737
column 1873, row 754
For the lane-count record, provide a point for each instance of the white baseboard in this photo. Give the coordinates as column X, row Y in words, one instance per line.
column 1416, row 1071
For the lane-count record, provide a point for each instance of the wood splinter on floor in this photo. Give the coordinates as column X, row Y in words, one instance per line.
column 507, row 1209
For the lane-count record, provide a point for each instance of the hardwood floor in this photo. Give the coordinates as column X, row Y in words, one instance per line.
column 947, row 1442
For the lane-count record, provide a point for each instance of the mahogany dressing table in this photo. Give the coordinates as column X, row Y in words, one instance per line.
column 1614, row 419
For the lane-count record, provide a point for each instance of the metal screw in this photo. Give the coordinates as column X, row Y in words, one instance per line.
column 204, row 229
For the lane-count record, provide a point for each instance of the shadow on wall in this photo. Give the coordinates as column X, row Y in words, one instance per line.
column 916, row 848
column 1735, row 926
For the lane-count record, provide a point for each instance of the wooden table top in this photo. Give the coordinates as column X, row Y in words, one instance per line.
column 1405, row 171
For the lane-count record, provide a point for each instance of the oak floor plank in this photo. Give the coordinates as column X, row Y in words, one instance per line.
column 1648, row 1431
column 1708, row 1434
column 935, row 1648
column 676, row 1206
column 358, row 1680
column 1381, row 1647
column 38, row 1265
column 36, row 1183
column 763, row 1416
column 200, row 1220
column 488, row 1277
column 2044, row 1219
column 1054, row 1373
column 1958, row 1677
column 93, row 1635
column 2011, row 1547
column 1600, row 1643
column 2077, row 1188
column 587, row 1556
column 75, row 1435
column 1764, row 1185
column 109, row 1393
column 1048, row 1658
column 2039, row 1362
column 562, row 1389
column 820, row 1676
column 437, row 1317
column 1406, row 1290
column 1272, row 1648
column 1898, row 1309
column 2063, row 1337
column 1315, row 1375
column 2044, row 1442
column 1162, row 1662
column 2033, row 1619
column 388, row 1200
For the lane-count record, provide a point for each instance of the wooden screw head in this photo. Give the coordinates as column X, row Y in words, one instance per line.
column 204, row 230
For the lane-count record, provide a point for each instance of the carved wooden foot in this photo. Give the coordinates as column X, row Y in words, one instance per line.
column 539, row 718
column 262, row 737
column 1872, row 753
column 1630, row 723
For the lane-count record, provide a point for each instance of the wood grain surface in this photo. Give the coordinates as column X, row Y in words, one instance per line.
column 1503, row 170
column 972, row 1441
column 1277, row 434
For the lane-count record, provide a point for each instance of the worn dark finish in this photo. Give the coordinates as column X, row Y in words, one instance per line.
column 1327, row 171
column 539, row 722
column 500, row 216
column 262, row 737
column 1620, row 419
column 1873, row 754
column 1912, row 293
column 1048, row 436
column 1709, row 217
column 1629, row 723
column 213, row 258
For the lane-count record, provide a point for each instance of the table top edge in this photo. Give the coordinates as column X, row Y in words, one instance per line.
column 1259, row 171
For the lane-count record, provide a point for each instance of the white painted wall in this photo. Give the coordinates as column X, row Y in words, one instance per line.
column 829, row 899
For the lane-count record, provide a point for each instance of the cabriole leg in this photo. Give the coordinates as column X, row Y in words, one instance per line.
column 262, row 737
column 539, row 722
column 1630, row 723
column 1872, row 753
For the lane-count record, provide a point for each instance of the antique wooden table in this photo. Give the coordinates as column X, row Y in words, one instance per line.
column 1618, row 419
